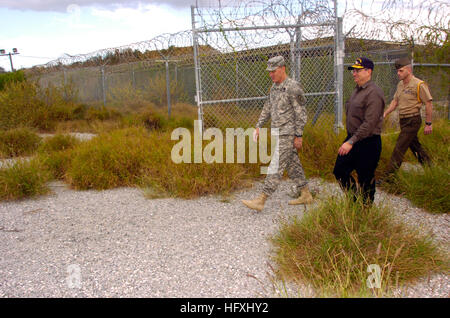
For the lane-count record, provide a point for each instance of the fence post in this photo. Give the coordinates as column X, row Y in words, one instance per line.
column 65, row 83
column 133, row 80
column 197, row 71
column 298, row 54
column 103, row 85
column 448, row 103
column 168, row 87
column 339, row 62
column 292, row 56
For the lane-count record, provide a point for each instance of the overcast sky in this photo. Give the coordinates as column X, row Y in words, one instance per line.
column 61, row 5
column 43, row 30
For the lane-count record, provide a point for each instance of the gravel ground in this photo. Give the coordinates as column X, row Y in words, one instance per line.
column 81, row 136
column 116, row 243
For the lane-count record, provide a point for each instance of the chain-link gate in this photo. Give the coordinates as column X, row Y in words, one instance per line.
column 230, row 56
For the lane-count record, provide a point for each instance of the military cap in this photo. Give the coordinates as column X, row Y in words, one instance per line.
column 275, row 62
column 402, row 62
column 362, row 62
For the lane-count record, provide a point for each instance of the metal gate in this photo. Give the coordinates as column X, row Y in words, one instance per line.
column 232, row 45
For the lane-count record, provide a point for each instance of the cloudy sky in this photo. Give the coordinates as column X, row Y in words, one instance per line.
column 43, row 30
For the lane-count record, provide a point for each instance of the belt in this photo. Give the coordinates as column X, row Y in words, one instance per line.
column 409, row 115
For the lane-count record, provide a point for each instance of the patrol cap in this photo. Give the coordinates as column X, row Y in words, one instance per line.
column 402, row 62
column 275, row 62
column 362, row 62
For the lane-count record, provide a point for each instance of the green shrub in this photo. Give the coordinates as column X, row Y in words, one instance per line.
column 56, row 163
column 57, row 143
column 6, row 78
column 18, row 142
column 102, row 113
column 26, row 104
column 110, row 160
column 19, row 105
column 23, row 179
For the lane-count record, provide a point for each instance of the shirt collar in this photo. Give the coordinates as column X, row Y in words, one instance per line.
column 365, row 85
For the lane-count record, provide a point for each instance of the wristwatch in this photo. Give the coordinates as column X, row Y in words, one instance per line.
column 299, row 136
column 428, row 123
column 350, row 142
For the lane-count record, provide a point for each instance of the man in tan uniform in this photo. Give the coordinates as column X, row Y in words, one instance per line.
column 411, row 94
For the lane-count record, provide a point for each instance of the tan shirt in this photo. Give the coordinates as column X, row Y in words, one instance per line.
column 406, row 97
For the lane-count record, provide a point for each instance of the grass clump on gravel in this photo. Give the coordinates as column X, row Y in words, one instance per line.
column 18, row 142
column 59, row 142
column 26, row 178
column 428, row 189
column 137, row 157
column 110, row 160
column 333, row 246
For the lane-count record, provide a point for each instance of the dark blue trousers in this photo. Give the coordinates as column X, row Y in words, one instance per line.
column 363, row 158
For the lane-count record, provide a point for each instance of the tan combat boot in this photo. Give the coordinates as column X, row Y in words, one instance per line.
column 304, row 198
column 256, row 204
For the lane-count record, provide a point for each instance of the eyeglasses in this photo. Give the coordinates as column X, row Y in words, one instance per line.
column 357, row 70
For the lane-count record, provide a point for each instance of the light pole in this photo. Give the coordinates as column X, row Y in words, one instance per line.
column 14, row 52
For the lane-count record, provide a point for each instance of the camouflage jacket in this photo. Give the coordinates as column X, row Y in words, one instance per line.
column 286, row 108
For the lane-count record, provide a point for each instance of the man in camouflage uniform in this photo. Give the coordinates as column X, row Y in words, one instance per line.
column 285, row 107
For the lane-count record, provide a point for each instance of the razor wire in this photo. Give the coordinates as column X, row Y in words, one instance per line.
column 233, row 58
column 244, row 35
column 393, row 29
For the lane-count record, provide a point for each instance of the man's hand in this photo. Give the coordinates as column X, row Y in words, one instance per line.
column 298, row 143
column 345, row 149
column 256, row 135
column 428, row 130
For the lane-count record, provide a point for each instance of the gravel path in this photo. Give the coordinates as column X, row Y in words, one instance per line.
column 116, row 243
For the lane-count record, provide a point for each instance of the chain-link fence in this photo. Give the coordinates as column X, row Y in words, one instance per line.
column 231, row 58
column 384, row 54
column 220, row 64
column 114, row 85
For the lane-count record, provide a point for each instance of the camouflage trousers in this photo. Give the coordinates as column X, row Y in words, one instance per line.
column 285, row 157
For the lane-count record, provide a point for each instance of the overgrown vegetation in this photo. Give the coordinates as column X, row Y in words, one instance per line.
column 137, row 157
column 11, row 77
column 333, row 246
column 18, row 142
column 24, row 179
column 58, row 142
column 25, row 104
